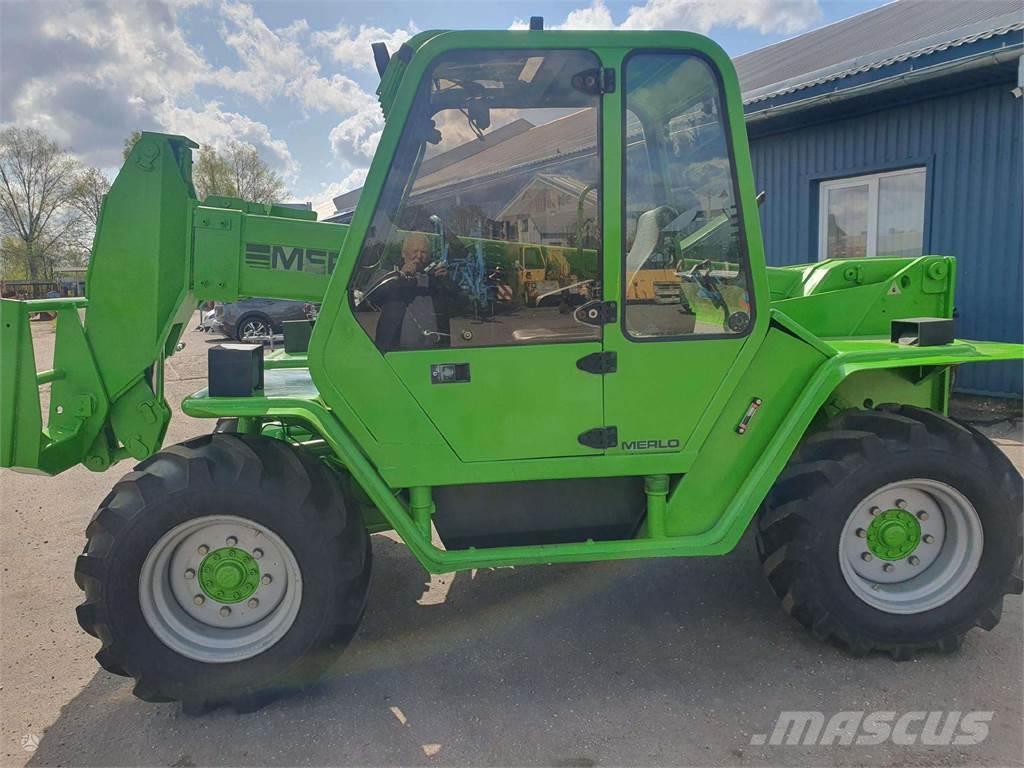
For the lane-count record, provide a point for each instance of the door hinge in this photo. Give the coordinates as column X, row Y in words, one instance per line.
column 599, row 362
column 597, row 312
column 600, row 437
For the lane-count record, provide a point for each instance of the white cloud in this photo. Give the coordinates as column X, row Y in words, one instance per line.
column 92, row 73
column 766, row 16
column 354, row 180
column 276, row 63
column 323, row 198
column 353, row 50
column 216, row 127
column 89, row 74
column 359, row 133
column 595, row 16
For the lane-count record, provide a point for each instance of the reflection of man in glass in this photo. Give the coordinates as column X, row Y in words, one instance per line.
column 399, row 290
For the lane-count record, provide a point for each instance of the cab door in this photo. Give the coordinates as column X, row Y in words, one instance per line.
column 687, row 255
column 485, row 246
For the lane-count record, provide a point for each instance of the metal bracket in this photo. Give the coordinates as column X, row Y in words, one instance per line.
column 597, row 312
column 744, row 425
column 608, row 84
column 600, row 437
column 449, row 373
column 599, row 363
column 595, row 82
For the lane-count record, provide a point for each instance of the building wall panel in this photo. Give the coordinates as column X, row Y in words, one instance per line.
column 971, row 144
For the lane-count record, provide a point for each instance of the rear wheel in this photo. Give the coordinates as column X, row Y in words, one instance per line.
column 223, row 570
column 254, row 326
column 895, row 530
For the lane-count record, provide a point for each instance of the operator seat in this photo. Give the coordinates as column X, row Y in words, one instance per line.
column 648, row 234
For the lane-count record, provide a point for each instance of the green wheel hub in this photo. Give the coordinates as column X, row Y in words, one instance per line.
column 229, row 575
column 893, row 534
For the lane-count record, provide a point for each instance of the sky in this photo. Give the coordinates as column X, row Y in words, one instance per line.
column 294, row 79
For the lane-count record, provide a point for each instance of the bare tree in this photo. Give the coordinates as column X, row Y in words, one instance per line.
column 212, row 175
column 36, row 179
column 130, row 142
column 89, row 188
column 253, row 179
column 237, row 170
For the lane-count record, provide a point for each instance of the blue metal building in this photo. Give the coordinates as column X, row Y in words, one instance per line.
column 898, row 132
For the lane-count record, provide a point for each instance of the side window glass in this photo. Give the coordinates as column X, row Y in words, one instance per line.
column 488, row 230
column 686, row 270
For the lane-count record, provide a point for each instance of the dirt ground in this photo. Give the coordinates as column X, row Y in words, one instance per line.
column 660, row 662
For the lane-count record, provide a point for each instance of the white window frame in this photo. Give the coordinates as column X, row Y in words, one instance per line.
column 871, row 180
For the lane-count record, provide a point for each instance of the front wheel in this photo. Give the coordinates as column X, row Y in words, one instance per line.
column 223, row 570
column 895, row 530
column 254, row 327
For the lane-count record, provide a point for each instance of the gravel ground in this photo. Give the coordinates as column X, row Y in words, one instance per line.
column 660, row 662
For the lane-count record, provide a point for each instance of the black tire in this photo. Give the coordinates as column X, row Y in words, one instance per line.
column 799, row 526
column 252, row 316
column 263, row 480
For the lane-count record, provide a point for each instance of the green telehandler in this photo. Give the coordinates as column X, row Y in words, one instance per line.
column 807, row 401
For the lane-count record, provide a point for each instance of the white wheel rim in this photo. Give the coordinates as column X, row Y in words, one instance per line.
column 194, row 621
column 937, row 570
column 254, row 328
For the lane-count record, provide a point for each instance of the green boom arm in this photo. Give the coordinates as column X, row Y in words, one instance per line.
column 157, row 254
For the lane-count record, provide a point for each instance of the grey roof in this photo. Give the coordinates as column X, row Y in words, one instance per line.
column 565, row 138
column 894, row 32
column 901, row 30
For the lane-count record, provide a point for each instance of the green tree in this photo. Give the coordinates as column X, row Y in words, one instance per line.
column 37, row 219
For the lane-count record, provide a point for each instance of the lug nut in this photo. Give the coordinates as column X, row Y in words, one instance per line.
column 253, row 603
column 198, row 599
column 874, row 511
column 203, row 549
column 887, row 567
column 913, row 560
column 861, row 533
column 922, row 515
column 257, row 553
column 189, row 573
column 867, row 557
column 231, row 541
column 901, row 503
column 225, row 611
column 928, row 538
column 266, row 579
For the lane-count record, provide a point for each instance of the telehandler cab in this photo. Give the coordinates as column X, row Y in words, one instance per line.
column 677, row 386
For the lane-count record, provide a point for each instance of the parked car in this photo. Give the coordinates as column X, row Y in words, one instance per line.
column 258, row 317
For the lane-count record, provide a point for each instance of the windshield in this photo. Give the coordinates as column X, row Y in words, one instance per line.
column 487, row 229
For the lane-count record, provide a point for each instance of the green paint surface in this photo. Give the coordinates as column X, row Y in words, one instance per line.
column 893, row 534
column 229, row 575
column 818, row 342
